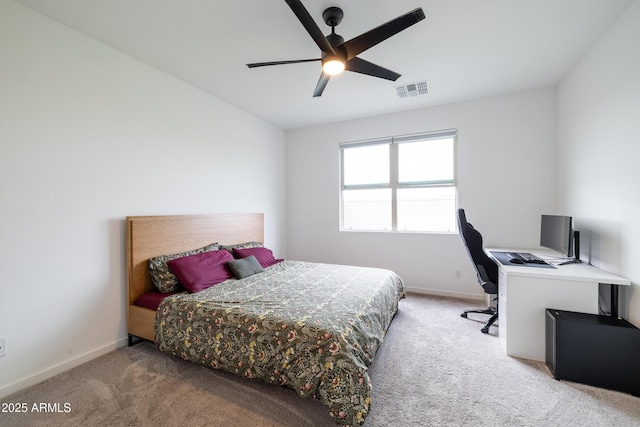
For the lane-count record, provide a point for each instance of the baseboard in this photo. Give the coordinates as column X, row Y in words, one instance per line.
column 58, row 369
column 441, row 293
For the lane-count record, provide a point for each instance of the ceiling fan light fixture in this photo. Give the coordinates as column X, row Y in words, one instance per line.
column 333, row 65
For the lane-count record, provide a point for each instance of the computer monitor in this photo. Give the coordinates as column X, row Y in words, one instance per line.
column 556, row 232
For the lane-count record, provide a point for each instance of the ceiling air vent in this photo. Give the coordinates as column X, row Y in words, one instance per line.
column 413, row 89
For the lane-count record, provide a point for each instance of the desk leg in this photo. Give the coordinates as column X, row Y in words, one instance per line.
column 614, row 300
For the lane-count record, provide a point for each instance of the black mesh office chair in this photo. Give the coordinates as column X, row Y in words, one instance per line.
column 486, row 268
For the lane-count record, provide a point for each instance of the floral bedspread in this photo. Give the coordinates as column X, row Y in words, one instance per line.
column 311, row 327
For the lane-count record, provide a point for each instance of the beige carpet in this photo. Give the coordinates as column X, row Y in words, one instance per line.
column 434, row 369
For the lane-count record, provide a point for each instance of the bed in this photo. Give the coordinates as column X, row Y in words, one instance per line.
column 311, row 327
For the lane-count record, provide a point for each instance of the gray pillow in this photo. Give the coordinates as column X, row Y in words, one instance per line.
column 245, row 267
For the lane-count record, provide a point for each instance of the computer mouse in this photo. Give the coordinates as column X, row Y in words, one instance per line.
column 516, row 261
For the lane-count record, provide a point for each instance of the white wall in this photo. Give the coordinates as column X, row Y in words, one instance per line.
column 506, row 159
column 87, row 137
column 599, row 150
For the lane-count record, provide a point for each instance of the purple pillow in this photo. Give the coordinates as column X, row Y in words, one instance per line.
column 201, row 271
column 263, row 255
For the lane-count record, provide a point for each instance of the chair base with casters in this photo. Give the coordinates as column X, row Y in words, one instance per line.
column 491, row 311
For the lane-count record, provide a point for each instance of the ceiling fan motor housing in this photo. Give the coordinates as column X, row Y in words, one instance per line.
column 332, row 16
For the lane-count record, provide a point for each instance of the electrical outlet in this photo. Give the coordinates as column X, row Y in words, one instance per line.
column 458, row 274
column 3, row 347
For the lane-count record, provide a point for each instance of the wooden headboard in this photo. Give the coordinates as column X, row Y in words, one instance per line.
column 149, row 236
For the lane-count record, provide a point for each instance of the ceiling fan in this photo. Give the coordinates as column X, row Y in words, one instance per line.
column 338, row 55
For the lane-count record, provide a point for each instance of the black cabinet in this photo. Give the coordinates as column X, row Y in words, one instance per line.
column 602, row 351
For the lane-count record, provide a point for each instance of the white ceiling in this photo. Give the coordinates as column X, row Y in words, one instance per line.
column 466, row 49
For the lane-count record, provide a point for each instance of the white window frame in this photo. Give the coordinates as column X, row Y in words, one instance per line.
column 394, row 183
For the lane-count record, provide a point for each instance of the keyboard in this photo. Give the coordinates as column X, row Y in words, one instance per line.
column 530, row 258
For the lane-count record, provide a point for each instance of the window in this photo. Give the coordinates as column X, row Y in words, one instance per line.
column 405, row 183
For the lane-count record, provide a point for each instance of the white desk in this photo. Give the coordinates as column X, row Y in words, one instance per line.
column 524, row 293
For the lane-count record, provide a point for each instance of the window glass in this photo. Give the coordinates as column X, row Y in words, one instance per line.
column 427, row 209
column 426, row 161
column 367, row 164
column 366, row 209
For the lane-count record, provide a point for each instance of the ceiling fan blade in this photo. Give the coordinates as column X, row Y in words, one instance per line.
column 365, row 67
column 295, row 61
column 322, row 83
column 310, row 25
column 372, row 37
